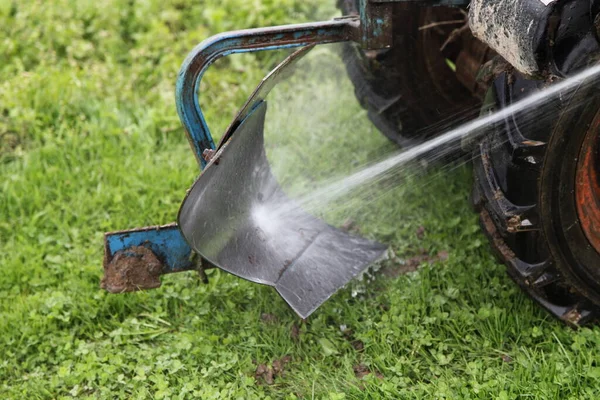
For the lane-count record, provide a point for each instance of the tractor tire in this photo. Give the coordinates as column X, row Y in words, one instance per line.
column 537, row 190
column 537, row 177
column 410, row 91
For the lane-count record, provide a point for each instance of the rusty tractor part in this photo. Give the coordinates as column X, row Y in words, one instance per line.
column 587, row 184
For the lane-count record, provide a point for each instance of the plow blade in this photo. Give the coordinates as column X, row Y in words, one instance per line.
column 238, row 218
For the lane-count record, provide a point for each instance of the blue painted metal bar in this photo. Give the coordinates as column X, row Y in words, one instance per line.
column 165, row 241
column 249, row 40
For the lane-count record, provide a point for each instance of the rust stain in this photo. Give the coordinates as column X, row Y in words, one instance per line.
column 208, row 155
column 587, row 186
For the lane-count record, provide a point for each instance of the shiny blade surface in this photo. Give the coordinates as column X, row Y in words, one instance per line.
column 237, row 217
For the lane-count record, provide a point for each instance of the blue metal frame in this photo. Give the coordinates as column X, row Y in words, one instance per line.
column 165, row 241
column 243, row 41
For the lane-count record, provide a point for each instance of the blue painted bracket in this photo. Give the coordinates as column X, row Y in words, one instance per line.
column 165, row 241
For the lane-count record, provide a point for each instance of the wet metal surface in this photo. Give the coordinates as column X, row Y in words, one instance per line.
column 311, row 260
column 278, row 74
column 231, row 218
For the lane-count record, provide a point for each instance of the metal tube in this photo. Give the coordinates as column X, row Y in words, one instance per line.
column 242, row 41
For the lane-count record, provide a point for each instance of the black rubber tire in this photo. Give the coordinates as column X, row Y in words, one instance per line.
column 409, row 91
column 520, row 169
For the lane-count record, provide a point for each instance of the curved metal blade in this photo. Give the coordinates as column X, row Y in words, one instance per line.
column 232, row 217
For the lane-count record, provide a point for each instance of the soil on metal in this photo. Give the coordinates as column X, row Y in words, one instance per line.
column 503, row 252
column 130, row 270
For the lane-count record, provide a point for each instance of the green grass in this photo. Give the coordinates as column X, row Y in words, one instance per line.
column 90, row 142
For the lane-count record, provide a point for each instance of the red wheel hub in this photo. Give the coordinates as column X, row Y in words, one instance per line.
column 587, row 187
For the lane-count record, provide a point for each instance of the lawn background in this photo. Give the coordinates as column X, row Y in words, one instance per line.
column 90, row 142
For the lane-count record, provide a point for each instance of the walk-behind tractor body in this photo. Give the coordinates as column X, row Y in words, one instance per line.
column 536, row 185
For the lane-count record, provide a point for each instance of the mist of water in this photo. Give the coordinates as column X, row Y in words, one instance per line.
column 438, row 147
